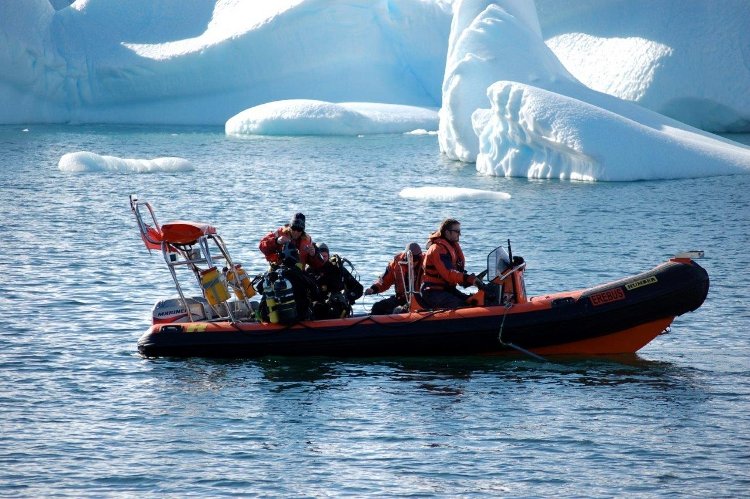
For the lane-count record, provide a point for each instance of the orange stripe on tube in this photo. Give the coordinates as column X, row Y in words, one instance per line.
column 626, row 341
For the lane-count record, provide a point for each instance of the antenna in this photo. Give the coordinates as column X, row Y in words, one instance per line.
column 510, row 253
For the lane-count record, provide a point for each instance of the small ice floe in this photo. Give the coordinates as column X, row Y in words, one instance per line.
column 436, row 193
column 422, row 131
column 314, row 117
column 83, row 161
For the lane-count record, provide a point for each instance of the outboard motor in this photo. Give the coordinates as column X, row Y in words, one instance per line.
column 173, row 310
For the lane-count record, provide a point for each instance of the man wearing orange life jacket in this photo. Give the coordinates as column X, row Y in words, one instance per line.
column 273, row 243
column 444, row 268
column 397, row 274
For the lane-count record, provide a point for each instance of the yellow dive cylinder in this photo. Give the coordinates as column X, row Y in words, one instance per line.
column 240, row 282
column 279, row 298
column 273, row 313
column 214, row 287
column 286, row 308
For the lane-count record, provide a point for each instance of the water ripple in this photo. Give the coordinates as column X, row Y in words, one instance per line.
column 81, row 414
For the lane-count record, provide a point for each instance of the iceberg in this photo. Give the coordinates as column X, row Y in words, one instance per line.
column 544, row 123
column 312, row 117
column 534, row 133
column 250, row 66
column 488, row 43
column 686, row 60
column 200, row 62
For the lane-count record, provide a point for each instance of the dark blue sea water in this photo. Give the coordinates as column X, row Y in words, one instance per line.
column 82, row 414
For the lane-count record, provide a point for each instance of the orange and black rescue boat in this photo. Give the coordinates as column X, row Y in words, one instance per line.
column 613, row 318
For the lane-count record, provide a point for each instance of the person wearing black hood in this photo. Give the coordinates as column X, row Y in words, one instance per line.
column 338, row 289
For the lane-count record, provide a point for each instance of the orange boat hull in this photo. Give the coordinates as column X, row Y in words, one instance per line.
column 614, row 318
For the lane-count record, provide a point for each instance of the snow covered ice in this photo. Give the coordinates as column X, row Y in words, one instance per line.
column 438, row 193
column 84, row 161
column 686, row 60
column 545, row 89
column 530, row 132
column 202, row 62
column 312, row 117
column 544, row 123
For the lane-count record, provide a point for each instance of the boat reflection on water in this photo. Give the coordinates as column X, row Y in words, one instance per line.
column 436, row 376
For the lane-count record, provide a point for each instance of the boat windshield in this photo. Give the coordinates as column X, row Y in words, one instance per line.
column 497, row 262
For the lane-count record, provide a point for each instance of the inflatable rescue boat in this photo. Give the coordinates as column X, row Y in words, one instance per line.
column 612, row 318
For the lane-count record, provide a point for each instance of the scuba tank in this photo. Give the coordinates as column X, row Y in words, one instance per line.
column 214, row 286
column 279, row 298
column 240, row 282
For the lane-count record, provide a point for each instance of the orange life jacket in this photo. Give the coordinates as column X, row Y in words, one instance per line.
column 443, row 265
column 397, row 274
